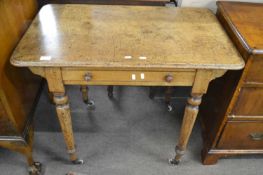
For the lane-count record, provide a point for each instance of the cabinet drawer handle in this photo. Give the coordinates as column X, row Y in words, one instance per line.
column 256, row 136
column 169, row 78
column 88, row 76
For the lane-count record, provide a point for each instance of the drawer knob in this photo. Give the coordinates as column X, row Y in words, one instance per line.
column 88, row 76
column 256, row 136
column 169, row 78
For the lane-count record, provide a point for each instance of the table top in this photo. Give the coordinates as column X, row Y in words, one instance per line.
column 126, row 37
column 246, row 20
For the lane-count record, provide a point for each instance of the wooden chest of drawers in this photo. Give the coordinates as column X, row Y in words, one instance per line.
column 234, row 122
column 19, row 88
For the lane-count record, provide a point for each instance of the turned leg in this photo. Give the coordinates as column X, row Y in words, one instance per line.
column 191, row 111
column 85, row 97
column 168, row 95
column 110, row 91
column 63, row 113
column 84, row 89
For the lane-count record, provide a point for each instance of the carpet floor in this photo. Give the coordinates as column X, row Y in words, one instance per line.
column 127, row 135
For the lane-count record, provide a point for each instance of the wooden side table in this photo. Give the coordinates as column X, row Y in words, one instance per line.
column 126, row 45
column 233, row 124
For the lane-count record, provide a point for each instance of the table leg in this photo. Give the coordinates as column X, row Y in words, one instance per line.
column 85, row 97
column 63, row 113
column 191, row 111
column 84, row 90
column 168, row 95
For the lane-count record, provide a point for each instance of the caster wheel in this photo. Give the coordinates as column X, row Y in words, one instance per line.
column 169, row 108
column 35, row 169
column 90, row 104
column 174, row 162
column 78, row 162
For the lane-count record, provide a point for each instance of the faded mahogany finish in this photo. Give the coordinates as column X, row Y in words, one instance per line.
column 233, row 123
column 126, row 45
column 19, row 88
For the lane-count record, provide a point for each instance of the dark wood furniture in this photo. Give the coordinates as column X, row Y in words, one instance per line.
column 91, row 45
column 18, row 86
column 233, row 122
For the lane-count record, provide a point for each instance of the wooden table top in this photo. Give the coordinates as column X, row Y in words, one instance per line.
column 123, row 37
column 246, row 20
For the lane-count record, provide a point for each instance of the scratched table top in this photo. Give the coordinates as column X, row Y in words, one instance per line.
column 122, row 37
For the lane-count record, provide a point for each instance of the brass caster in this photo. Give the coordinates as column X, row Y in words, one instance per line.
column 78, row 162
column 90, row 104
column 169, row 108
column 174, row 161
column 35, row 169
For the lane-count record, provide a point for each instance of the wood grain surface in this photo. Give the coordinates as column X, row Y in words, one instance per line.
column 123, row 37
column 244, row 23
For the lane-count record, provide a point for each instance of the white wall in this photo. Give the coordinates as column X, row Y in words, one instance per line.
column 211, row 4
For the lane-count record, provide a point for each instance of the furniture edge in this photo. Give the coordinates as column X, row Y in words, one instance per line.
column 251, row 51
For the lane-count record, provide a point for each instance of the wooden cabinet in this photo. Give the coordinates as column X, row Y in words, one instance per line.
column 233, row 123
column 18, row 86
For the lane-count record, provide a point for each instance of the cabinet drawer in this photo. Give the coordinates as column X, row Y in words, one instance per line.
column 242, row 135
column 140, row 78
column 255, row 72
column 250, row 102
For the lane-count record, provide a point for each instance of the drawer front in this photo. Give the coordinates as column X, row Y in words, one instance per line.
column 140, row 78
column 242, row 135
column 250, row 102
column 255, row 72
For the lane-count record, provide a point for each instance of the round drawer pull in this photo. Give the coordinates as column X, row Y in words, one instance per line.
column 88, row 76
column 169, row 78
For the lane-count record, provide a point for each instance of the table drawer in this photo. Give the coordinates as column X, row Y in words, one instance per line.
column 140, row 78
column 242, row 135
